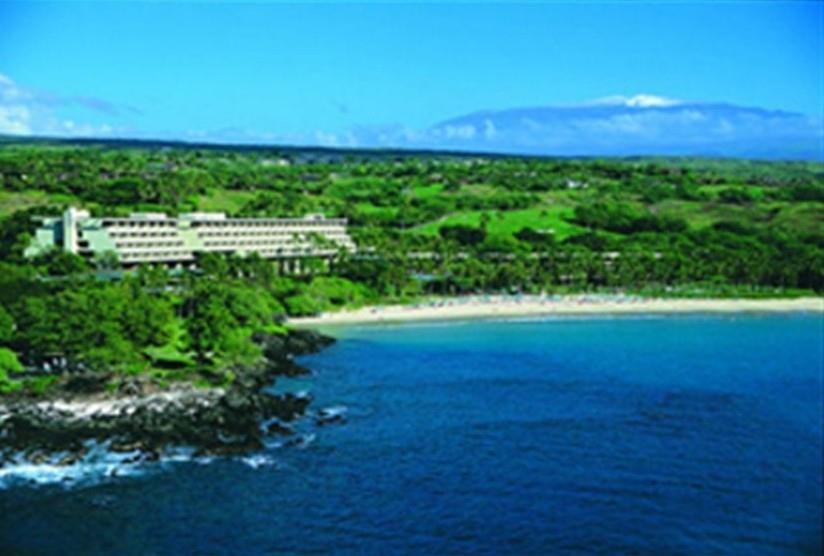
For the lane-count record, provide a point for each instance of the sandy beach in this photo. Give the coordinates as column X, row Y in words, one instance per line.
column 514, row 306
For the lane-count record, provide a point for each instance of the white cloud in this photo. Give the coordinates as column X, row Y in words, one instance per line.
column 10, row 92
column 25, row 111
column 724, row 127
column 489, row 129
column 327, row 139
column 458, row 131
column 618, row 124
column 637, row 101
column 14, row 120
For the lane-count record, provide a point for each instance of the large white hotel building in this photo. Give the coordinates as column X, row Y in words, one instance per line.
column 157, row 238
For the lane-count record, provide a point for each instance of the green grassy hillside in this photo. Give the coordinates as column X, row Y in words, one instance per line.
column 415, row 195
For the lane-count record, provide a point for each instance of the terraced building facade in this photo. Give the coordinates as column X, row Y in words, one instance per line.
column 153, row 238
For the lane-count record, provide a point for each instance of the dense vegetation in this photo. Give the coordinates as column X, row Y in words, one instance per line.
column 424, row 225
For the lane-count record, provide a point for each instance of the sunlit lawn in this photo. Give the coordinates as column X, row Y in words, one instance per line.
column 554, row 220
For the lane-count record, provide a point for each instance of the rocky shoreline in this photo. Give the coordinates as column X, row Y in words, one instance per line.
column 145, row 422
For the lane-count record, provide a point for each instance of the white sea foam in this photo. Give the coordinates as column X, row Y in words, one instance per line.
column 305, row 440
column 100, row 464
column 334, row 411
column 258, row 460
column 97, row 465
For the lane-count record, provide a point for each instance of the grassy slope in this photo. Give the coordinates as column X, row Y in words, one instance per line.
column 219, row 200
column 551, row 219
column 806, row 216
column 13, row 201
column 553, row 210
column 223, row 200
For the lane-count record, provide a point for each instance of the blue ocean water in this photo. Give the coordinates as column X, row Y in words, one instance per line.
column 625, row 435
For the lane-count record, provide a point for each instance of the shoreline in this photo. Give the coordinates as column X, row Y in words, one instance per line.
column 140, row 423
column 490, row 307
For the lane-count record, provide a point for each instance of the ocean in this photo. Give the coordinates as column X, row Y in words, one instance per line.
column 610, row 435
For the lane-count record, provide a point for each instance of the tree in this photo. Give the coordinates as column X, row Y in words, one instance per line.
column 146, row 318
column 107, row 260
column 484, row 221
column 208, row 320
column 153, row 278
column 15, row 232
column 303, row 305
column 57, row 262
column 9, row 365
column 736, row 195
column 9, row 362
column 539, row 240
column 38, row 329
column 252, row 308
column 6, row 326
column 214, row 265
column 333, row 290
column 82, row 325
column 463, row 235
column 18, row 282
column 220, row 319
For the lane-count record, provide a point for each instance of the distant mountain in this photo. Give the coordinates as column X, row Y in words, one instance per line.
column 639, row 125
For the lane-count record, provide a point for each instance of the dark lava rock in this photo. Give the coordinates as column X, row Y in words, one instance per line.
column 280, row 428
column 86, row 383
column 136, row 386
column 144, row 457
column 139, row 418
column 273, row 345
column 287, row 368
column 37, row 457
column 304, row 342
column 330, row 416
column 298, row 441
column 230, row 448
column 286, row 407
column 296, row 343
column 72, row 457
column 125, row 447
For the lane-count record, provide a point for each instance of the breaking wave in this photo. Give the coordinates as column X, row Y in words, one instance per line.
column 97, row 465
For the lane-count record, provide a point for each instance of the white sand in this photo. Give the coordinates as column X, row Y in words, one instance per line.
column 512, row 306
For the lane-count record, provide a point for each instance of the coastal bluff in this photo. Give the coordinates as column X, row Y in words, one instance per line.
column 143, row 421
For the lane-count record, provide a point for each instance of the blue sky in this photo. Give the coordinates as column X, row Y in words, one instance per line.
column 324, row 71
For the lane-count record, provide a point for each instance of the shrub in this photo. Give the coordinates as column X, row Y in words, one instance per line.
column 736, row 195
column 303, row 305
column 464, row 235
